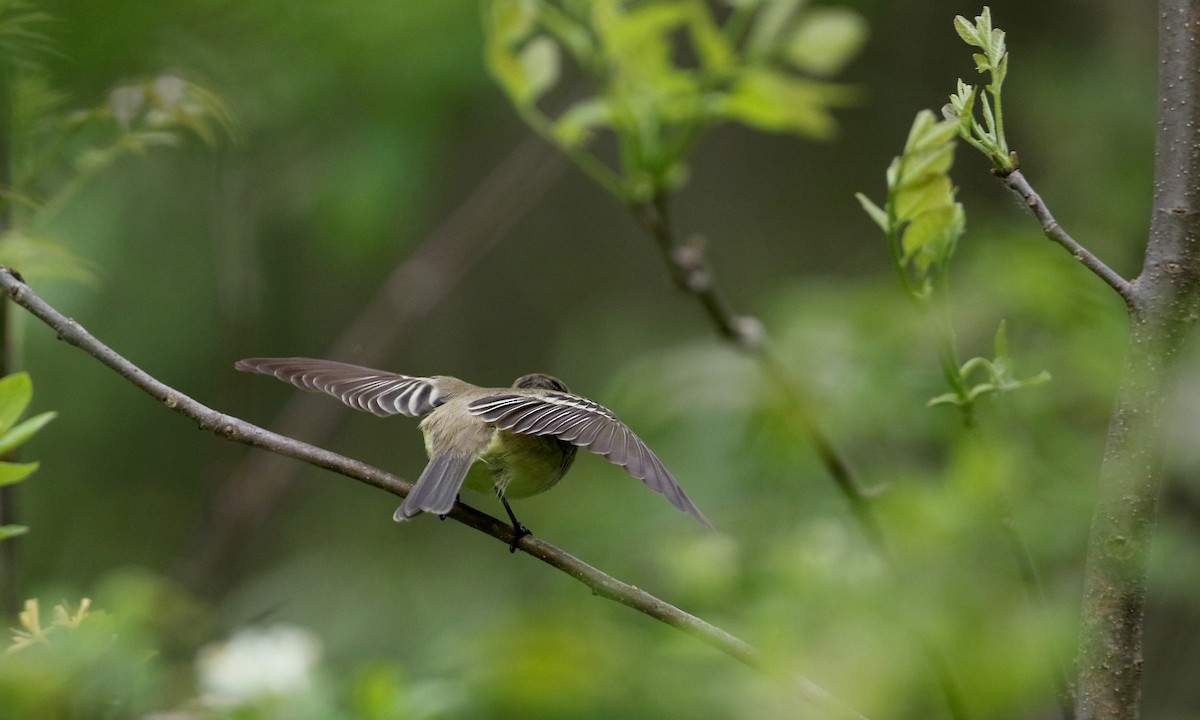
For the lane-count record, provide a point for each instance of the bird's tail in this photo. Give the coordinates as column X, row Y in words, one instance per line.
column 437, row 487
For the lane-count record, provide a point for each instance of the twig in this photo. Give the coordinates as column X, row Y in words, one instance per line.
column 256, row 486
column 692, row 274
column 240, row 431
column 689, row 268
column 1016, row 181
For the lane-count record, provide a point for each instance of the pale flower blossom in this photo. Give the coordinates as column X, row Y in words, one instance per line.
column 254, row 663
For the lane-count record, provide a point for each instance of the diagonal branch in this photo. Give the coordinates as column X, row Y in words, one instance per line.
column 256, row 486
column 240, row 431
column 1016, row 181
column 691, row 272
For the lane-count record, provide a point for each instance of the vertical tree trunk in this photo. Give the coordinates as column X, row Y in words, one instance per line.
column 10, row 595
column 1164, row 309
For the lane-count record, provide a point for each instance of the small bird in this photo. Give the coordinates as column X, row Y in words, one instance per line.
column 516, row 441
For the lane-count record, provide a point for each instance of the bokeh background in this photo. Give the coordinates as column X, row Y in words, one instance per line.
column 362, row 126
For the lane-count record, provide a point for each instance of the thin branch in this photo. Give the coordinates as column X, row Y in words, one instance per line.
column 1016, row 181
column 240, row 431
column 252, row 491
column 691, row 272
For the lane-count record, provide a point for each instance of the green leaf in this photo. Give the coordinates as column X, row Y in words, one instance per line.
column 825, row 39
column 770, row 22
column 932, row 160
column 574, row 37
column 16, row 391
column 540, row 61
column 23, row 431
column 1001, row 344
column 945, row 399
column 512, row 20
column 929, row 239
column 877, row 213
column 9, row 531
column 923, row 194
column 11, row 473
column 711, row 45
column 966, row 31
column 777, row 102
column 574, row 127
column 928, row 131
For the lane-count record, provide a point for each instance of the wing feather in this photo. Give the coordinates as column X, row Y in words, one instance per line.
column 589, row 425
column 375, row 391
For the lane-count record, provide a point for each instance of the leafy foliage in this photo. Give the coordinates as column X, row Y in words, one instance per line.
column 665, row 72
column 57, row 151
column 16, row 392
column 998, row 373
column 987, row 136
column 923, row 221
column 920, row 217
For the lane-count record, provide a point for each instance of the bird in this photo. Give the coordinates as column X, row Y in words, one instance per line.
column 516, row 441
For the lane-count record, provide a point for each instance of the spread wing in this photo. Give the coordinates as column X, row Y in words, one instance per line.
column 589, row 425
column 375, row 391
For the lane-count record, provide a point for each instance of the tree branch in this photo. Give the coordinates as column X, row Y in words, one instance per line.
column 1054, row 232
column 240, row 431
column 249, row 493
column 691, row 272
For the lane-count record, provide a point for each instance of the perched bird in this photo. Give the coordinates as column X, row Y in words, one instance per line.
column 516, row 441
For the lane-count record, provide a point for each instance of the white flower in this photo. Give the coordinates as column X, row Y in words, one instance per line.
column 255, row 663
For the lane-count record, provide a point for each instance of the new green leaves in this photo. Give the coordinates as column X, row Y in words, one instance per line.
column 15, row 393
column 988, row 136
column 998, row 376
column 664, row 71
column 923, row 221
column 921, row 218
column 56, row 151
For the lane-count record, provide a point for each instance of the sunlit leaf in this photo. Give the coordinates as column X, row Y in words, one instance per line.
column 23, row 431
column 770, row 23
column 574, row 127
column 512, row 20
column 15, row 472
column 8, row 531
column 540, row 60
column 711, row 45
column 825, row 39
column 16, row 391
column 777, row 102
column 922, row 194
column 877, row 213
column 931, row 236
column 966, row 31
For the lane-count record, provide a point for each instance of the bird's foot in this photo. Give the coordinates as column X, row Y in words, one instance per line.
column 519, row 531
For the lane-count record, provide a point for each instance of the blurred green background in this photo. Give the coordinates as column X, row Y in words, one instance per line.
column 362, row 125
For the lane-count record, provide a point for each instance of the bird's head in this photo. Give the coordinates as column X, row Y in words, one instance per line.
column 540, row 381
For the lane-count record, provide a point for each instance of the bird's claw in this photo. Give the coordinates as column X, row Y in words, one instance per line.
column 519, row 531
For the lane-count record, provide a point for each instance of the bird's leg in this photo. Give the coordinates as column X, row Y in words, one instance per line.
column 519, row 530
